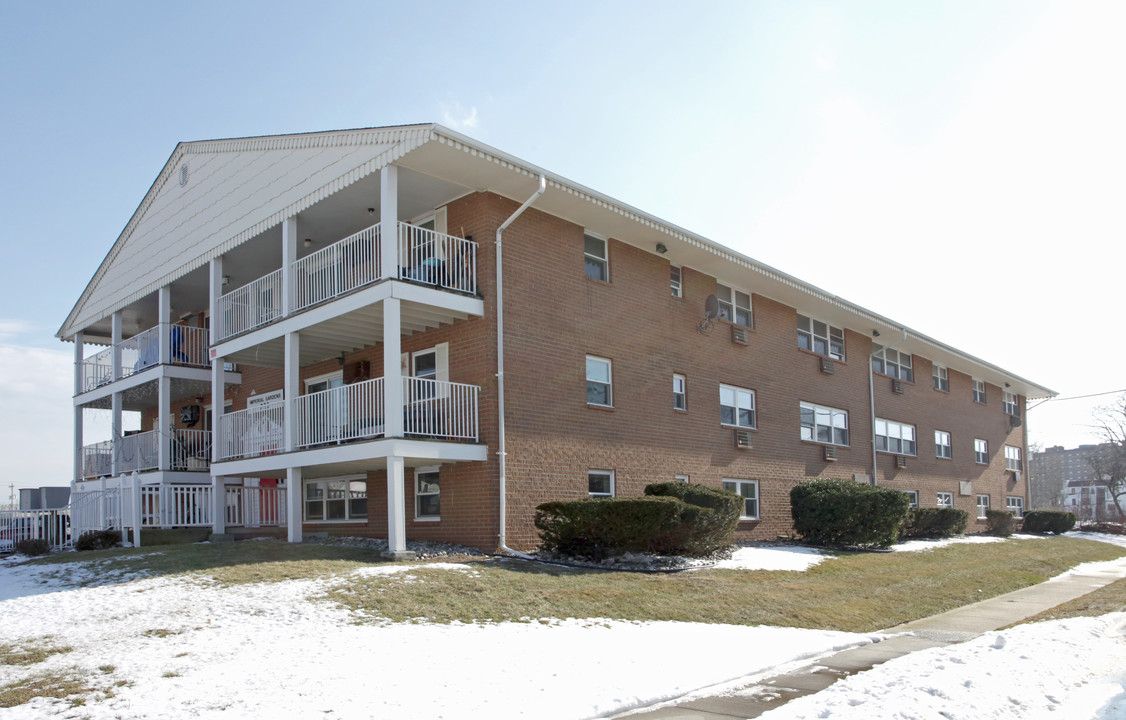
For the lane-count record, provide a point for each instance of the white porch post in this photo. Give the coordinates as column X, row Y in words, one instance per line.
column 289, row 256
column 392, row 369
column 135, row 501
column 293, row 495
column 292, row 384
column 396, row 510
column 218, row 397
column 115, row 433
column 215, row 291
column 115, row 339
column 164, row 323
column 389, row 221
column 163, row 427
column 79, row 351
column 122, row 507
column 219, row 505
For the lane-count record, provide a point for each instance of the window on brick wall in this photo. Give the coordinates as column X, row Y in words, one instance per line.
column 945, row 500
column 1008, row 402
column 913, row 497
column 340, row 498
column 823, row 424
column 979, row 391
column 427, row 503
column 1012, row 458
column 894, row 363
column 597, row 260
column 674, row 282
column 1015, row 505
column 736, row 406
column 600, row 483
column 940, row 378
column 679, row 392
column 895, row 437
column 982, row 506
column 748, row 490
column 734, row 305
column 942, row 446
column 599, row 388
column 821, row 338
column 981, row 451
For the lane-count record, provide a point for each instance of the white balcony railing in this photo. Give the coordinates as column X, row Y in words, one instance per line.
column 187, row 450
column 97, row 370
column 97, row 459
column 259, row 430
column 190, row 449
column 434, row 258
column 336, row 415
column 192, row 506
column 186, row 346
column 138, row 452
column 337, row 269
column 434, row 408
column 253, row 305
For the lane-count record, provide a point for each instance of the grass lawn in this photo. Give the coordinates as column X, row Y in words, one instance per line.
column 1111, row 598
column 858, row 592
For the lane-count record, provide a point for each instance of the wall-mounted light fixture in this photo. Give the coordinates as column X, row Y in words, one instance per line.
column 371, row 211
column 875, row 333
column 308, row 242
column 226, row 279
column 661, row 249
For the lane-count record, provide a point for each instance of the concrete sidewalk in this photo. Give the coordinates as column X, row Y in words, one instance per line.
column 946, row 628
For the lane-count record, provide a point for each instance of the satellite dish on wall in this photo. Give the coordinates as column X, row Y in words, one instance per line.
column 711, row 312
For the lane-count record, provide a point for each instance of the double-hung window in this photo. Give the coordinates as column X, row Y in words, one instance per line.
column 941, row 378
column 427, row 503
column 599, row 382
column 942, row 447
column 818, row 337
column 734, row 305
column 1015, row 505
column 600, row 483
column 736, row 406
column 342, row 498
column 597, row 262
column 679, row 392
column 979, row 391
column 748, row 490
column 945, row 500
column 1012, row 458
column 824, row 424
column 913, row 497
column 895, row 437
column 982, row 506
column 894, row 363
column 674, row 281
column 1008, row 402
column 981, row 451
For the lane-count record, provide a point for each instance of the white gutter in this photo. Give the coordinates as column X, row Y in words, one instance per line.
column 872, row 399
column 501, row 453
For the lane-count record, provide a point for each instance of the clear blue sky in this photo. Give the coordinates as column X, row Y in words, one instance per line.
column 955, row 166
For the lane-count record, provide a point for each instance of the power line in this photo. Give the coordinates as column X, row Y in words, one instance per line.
column 1075, row 397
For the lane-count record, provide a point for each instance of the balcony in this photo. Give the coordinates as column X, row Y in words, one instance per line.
column 424, row 256
column 431, row 409
column 187, row 346
column 188, row 450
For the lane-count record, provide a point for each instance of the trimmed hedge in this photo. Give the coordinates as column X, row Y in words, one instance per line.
column 847, row 513
column 999, row 522
column 935, row 522
column 32, row 547
column 1048, row 521
column 667, row 520
column 98, row 540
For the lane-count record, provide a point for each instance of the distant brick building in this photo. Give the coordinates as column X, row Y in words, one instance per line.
column 1065, row 479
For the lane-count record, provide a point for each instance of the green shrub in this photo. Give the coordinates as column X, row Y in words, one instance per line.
column 705, row 532
column 935, row 522
column 847, row 513
column 1048, row 521
column 999, row 522
column 32, row 547
column 98, row 540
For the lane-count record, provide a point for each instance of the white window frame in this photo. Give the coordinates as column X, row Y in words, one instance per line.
column 811, row 417
column 738, row 490
column 609, row 382
column 594, row 260
column 1008, row 402
column 349, row 517
column 1013, row 458
column 940, row 377
column 682, row 478
column 945, row 500
column 813, row 333
column 942, row 439
column 898, row 438
column 981, row 451
column 418, row 494
column 893, row 363
column 1015, row 505
column 914, row 495
column 606, row 473
column 731, row 307
column 679, row 392
column 676, row 281
column 982, row 507
column 326, row 378
column 744, row 400
column 979, row 390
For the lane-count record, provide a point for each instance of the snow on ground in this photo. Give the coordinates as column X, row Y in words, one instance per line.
column 773, row 557
column 192, row 649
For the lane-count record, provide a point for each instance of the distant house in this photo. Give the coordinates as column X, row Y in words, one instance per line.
column 1064, row 478
column 404, row 332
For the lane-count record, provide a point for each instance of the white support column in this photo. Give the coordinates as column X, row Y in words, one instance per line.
column 79, row 356
column 135, row 501
column 392, row 369
column 293, row 494
column 122, row 506
column 289, row 256
column 115, row 433
column 215, row 273
column 164, row 323
column 389, row 221
column 79, row 350
column 396, row 510
column 219, row 505
column 115, row 338
column 292, row 385
column 163, row 427
column 218, row 398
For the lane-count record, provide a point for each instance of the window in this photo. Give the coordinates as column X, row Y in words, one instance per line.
column 600, row 483
column 981, row 451
column 594, row 249
column 427, row 503
column 982, row 506
column 1008, row 402
column 748, row 489
column 736, row 406
column 913, row 496
column 940, row 378
column 1015, row 505
column 1012, row 458
column 942, row 447
column 824, row 424
column 945, row 500
column 734, row 305
column 979, row 391
column 330, row 499
column 679, row 393
column 681, row 478
column 895, row 437
column 893, row 363
column 598, row 379
column 816, row 336
column 674, row 281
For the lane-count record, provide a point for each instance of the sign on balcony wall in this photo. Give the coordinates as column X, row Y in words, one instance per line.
column 269, row 398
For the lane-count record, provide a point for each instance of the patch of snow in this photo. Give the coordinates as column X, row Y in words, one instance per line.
column 925, row 544
column 1119, row 540
column 773, row 557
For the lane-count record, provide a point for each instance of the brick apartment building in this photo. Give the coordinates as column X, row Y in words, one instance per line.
column 342, row 293
column 1065, row 479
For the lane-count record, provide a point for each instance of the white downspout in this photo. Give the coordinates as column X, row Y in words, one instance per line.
column 502, row 541
column 872, row 400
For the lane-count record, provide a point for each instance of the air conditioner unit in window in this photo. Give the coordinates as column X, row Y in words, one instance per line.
column 743, row 439
column 897, row 386
column 900, row 461
column 1014, row 421
column 739, row 334
column 827, row 366
column 1016, row 475
column 829, row 453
